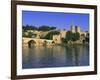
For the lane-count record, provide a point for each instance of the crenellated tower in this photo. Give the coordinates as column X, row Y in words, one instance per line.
column 73, row 29
column 77, row 29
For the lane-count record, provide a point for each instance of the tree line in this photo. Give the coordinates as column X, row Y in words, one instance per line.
column 40, row 28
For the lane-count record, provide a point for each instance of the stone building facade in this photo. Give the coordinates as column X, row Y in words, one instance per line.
column 73, row 29
column 57, row 38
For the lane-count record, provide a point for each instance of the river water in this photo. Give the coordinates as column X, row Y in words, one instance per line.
column 56, row 56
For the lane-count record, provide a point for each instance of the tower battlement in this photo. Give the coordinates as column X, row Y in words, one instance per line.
column 75, row 29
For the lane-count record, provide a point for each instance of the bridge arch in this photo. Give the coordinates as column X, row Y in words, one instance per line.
column 31, row 43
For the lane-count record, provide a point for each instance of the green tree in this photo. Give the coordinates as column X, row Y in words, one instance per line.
column 75, row 36
column 63, row 40
column 46, row 28
column 72, row 36
column 69, row 36
column 29, row 27
column 50, row 34
column 41, row 28
column 87, row 37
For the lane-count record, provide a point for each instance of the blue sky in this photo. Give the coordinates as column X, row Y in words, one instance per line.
column 57, row 19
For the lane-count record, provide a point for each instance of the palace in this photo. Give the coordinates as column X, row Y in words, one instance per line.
column 74, row 29
column 38, row 36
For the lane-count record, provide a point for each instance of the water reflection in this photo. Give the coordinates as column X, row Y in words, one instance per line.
column 57, row 56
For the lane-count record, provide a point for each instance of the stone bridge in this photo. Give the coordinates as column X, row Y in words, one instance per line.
column 36, row 41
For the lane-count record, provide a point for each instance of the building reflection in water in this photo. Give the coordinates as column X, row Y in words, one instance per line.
column 57, row 56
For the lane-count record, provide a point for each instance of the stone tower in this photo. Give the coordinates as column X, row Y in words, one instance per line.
column 77, row 29
column 73, row 29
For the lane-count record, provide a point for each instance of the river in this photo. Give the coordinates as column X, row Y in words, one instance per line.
column 56, row 56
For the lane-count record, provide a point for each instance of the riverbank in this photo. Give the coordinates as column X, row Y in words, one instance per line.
column 65, row 44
